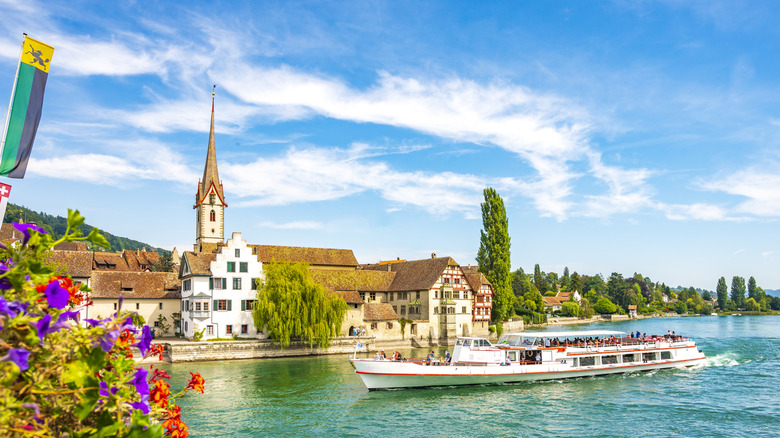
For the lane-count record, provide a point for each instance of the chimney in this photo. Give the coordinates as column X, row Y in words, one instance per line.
column 433, row 255
column 388, row 267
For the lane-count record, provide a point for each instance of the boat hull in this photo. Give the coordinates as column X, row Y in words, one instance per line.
column 378, row 375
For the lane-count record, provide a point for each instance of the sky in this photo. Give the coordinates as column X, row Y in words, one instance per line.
column 623, row 136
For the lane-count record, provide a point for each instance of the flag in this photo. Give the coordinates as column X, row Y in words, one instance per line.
column 5, row 191
column 25, row 111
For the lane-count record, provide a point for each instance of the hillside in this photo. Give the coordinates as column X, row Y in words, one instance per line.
column 55, row 225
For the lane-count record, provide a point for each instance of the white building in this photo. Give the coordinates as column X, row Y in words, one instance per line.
column 219, row 291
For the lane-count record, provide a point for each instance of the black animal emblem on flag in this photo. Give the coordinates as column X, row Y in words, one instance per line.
column 37, row 55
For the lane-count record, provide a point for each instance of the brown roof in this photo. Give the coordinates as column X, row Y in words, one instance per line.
column 160, row 285
column 351, row 296
column 9, row 233
column 563, row 296
column 338, row 280
column 75, row 263
column 551, row 301
column 199, row 262
column 415, row 274
column 71, row 246
column 312, row 256
column 210, row 173
column 126, row 260
column 379, row 312
column 475, row 278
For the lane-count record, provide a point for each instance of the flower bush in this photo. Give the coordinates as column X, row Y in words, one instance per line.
column 62, row 378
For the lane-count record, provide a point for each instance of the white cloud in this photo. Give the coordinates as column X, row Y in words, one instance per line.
column 760, row 187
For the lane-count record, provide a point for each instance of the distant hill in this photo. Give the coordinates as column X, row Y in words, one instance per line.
column 55, row 225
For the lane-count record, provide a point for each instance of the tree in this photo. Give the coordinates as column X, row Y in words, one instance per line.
column 605, row 306
column 722, row 291
column 752, row 289
column 290, row 304
column 565, row 280
column 752, row 305
column 706, row 296
column 594, row 282
column 738, row 291
column 493, row 255
column 570, row 308
column 576, row 283
column 521, row 283
column 681, row 307
column 539, row 280
column 163, row 264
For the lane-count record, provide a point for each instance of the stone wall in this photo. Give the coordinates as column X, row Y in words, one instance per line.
column 253, row 349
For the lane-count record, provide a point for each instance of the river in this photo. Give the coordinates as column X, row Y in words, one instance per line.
column 734, row 394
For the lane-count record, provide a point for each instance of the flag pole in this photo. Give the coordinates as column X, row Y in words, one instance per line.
column 13, row 93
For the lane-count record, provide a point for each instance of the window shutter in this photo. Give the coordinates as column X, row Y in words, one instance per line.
column 211, row 283
column 243, row 304
column 230, row 304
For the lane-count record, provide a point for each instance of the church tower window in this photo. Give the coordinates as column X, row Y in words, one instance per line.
column 213, row 215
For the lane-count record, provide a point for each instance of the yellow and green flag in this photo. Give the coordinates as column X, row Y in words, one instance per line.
column 26, row 106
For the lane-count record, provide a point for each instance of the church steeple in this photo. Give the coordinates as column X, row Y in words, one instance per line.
column 210, row 199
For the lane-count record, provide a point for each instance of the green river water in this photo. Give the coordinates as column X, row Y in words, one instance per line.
column 735, row 394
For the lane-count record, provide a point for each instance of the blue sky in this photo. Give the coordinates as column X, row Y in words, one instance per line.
column 623, row 136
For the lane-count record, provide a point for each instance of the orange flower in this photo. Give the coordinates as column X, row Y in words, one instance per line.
column 196, row 382
column 160, row 392
column 173, row 425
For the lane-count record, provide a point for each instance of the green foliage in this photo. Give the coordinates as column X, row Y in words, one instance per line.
column 56, row 226
column 492, row 329
column 752, row 305
column 290, row 304
column 402, row 322
column 60, row 378
column 576, row 283
column 163, row 264
column 738, row 291
column 493, row 256
column 570, row 308
column 197, row 336
column 586, row 310
column 162, row 324
column 605, row 306
column 681, row 307
column 722, row 291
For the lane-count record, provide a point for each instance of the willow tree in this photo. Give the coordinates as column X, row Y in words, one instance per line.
column 493, row 254
column 290, row 304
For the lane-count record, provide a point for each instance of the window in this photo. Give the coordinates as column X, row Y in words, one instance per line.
column 373, row 296
column 390, row 296
column 418, row 295
column 445, row 280
column 609, row 360
column 456, row 295
column 237, row 283
column 206, row 306
column 213, row 216
column 212, row 198
column 587, row 361
column 228, row 329
column 436, row 294
column 187, row 285
column 157, row 324
column 435, row 310
column 197, row 306
column 403, row 310
column 248, row 304
column 456, row 280
column 160, row 306
column 464, row 309
column 450, row 309
column 373, row 326
column 187, row 305
column 363, row 296
column 217, row 283
column 243, row 266
column 389, row 325
column 666, row 355
column 210, row 329
column 137, row 306
column 186, row 326
column 244, row 329
column 395, row 309
column 238, row 252
column 114, row 306
column 627, row 358
column 255, row 283
column 231, row 266
column 224, row 305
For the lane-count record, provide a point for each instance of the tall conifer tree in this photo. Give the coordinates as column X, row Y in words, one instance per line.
column 723, row 293
column 738, row 291
column 493, row 255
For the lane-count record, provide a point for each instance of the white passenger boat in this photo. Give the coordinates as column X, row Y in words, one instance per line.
column 531, row 356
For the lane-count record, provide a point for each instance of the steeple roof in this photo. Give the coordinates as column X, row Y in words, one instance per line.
column 210, row 173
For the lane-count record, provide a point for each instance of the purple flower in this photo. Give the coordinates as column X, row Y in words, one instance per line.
column 108, row 340
column 6, row 308
column 44, row 326
column 97, row 322
column 142, row 386
column 105, row 391
column 56, row 296
column 37, row 410
column 145, row 342
column 25, row 229
column 5, row 283
column 20, row 357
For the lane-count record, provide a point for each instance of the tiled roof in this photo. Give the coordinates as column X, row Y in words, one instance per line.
column 75, row 263
column 351, row 296
column 475, row 278
column 379, row 312
column 312, row 256
column 551, row 301
column 199, row 262
column 9, row 233
column 159, row 285
column 563, row 296
column 126, row 260
column 362, row 281
column 415, row 274
column 71, row 246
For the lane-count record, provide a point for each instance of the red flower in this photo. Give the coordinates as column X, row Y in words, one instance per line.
column 196, row 382
column 160, row 392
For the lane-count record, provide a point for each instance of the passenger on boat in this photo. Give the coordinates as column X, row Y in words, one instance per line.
column 538, row 358
column 429, row 359
column 382, row 355
column 447, row 357
column 377, row 356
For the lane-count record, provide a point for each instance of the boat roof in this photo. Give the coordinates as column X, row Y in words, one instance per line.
column 585, row 333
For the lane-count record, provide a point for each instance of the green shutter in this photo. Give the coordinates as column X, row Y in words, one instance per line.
column 211, row 283
column 230, row 304
column 243, row 304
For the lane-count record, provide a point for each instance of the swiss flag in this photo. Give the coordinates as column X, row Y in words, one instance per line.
column 5, row 191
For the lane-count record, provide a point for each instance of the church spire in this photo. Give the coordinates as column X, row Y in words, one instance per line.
column 210, row 173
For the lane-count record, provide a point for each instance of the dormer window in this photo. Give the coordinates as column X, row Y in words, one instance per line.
column 212, row 199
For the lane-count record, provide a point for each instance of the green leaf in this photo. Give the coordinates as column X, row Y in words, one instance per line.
column 89, row 399
column 75, row 220
column 97, row 238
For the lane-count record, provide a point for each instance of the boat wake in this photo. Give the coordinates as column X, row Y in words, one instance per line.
column 721, row 360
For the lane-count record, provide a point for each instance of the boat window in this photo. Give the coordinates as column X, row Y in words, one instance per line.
column 646, row 357
column 575, row 362
column 459, row 342
column 587, row 361
column 666, row 355
column 609, row 360
column 627, row 358
column 512, row 355
column 467, row 342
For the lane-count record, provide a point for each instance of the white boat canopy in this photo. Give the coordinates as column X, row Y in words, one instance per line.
column 527, row 338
